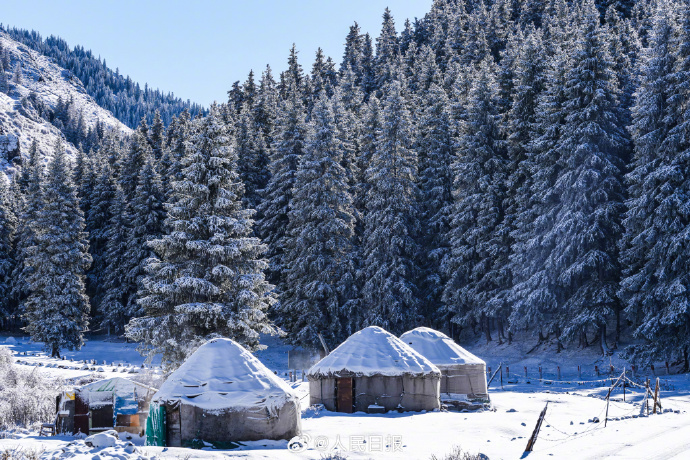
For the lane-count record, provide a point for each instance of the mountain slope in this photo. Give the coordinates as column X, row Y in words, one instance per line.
column 30, row 102
column 123, row 97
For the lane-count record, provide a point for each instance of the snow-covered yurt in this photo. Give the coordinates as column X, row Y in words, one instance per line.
column 220, row 395
column 462, row 373
column 374, row 371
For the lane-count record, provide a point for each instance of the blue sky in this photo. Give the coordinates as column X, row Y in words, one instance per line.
column 197, row 49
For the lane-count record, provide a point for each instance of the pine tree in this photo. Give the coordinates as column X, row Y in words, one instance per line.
column 319, row 270
column 98, row 221
column 157, row 135
column 275, row 206
column 112, row 307
column 391, row 223
column 8, row 225
column 253, row 158
column 207, row 279
column 30, row 199
column 434, row 145
column 476, row 265
column 145, row 214
column 588, row 219
column 57, row 308
column 387, row 51
column 654, row 254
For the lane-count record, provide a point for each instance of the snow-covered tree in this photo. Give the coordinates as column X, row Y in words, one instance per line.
column 319, row 272
column 655, row 255
column 285, row 155
column 207, row 279
column 476, row 265
column 57, row 308
column 391, row 222
column 8, row 225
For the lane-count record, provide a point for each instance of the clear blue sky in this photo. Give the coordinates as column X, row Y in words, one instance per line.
column 197, row 49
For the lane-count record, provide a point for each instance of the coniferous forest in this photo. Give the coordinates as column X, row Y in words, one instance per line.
column 500, row 170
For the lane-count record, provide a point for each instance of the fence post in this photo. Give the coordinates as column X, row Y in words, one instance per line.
column 540, row 376
column 559, row 372
column 656, row 394
column 507, row 372
column 668, row 369
column 535, row 433
column 579, row 372
column 652, row 366
column 596, row 369
column 501, row 377
column 525, row 371
column 624, row 384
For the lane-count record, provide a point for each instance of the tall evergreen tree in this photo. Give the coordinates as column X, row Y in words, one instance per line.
column 8, row 225
column 207, row 279
column 391, row 223
column 319, row 267
column 57, row 308
column 275, row 207
column 476, row 264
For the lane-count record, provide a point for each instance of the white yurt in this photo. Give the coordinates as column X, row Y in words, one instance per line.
column 462, row 373
column 222, row 394
column 374, row 371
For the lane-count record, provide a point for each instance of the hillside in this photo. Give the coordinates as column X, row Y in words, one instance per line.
column 29, row 103
column 124, row 98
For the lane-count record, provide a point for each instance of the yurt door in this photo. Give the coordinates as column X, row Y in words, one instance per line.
column 344, row 390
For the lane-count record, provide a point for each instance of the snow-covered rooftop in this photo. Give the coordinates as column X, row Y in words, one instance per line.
column 438, row 348
column 373, row 351
column 221, row 374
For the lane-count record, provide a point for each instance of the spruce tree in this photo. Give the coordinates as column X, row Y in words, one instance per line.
column 285, row 155
column 391, row 224
column 476, row 265
column 655, row 254
column 319, row 264
column 57, row 308
column 8, row 225
column 207, row 279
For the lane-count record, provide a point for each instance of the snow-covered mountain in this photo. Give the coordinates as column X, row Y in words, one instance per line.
column 40, row 77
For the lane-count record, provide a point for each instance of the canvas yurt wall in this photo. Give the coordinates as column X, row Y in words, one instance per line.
column 222, row 395
column 462, row 373
column 115, row 403
column 374, row 371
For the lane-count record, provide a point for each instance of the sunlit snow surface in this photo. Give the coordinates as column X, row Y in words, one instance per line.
column 566, row 432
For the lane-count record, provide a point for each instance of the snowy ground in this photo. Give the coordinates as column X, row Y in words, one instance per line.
column 502, row 433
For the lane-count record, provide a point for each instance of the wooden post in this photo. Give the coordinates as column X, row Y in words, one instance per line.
column 507, row 372
column 652, row 366
column 559, row 372
column 525, row 371
column 535, row 433
column 668, row 369
column 501, row 369
column 596, row 369
column 539, row 372
column 579, row 372
column 623, row 384
column 646, row 395
column 494, row 375
column 656, row 395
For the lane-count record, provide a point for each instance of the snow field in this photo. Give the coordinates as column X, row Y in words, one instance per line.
column 568, row 430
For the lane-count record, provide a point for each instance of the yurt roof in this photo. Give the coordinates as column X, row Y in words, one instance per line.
column 116, row 384
column 438, row 348
column 220, row 375
column 373, row 351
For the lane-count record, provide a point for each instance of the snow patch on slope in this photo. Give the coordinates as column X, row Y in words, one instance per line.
column 41, row 76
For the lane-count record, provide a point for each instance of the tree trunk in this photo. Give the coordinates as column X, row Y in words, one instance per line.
column 686, row 361
column 499, row 330
column 56, row 352
column 510, row 337
column 602, row 340
column 487, row 328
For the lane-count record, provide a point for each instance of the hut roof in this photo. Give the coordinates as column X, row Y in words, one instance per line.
column 373, row 351
column 221, row 375
column 438, row 348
